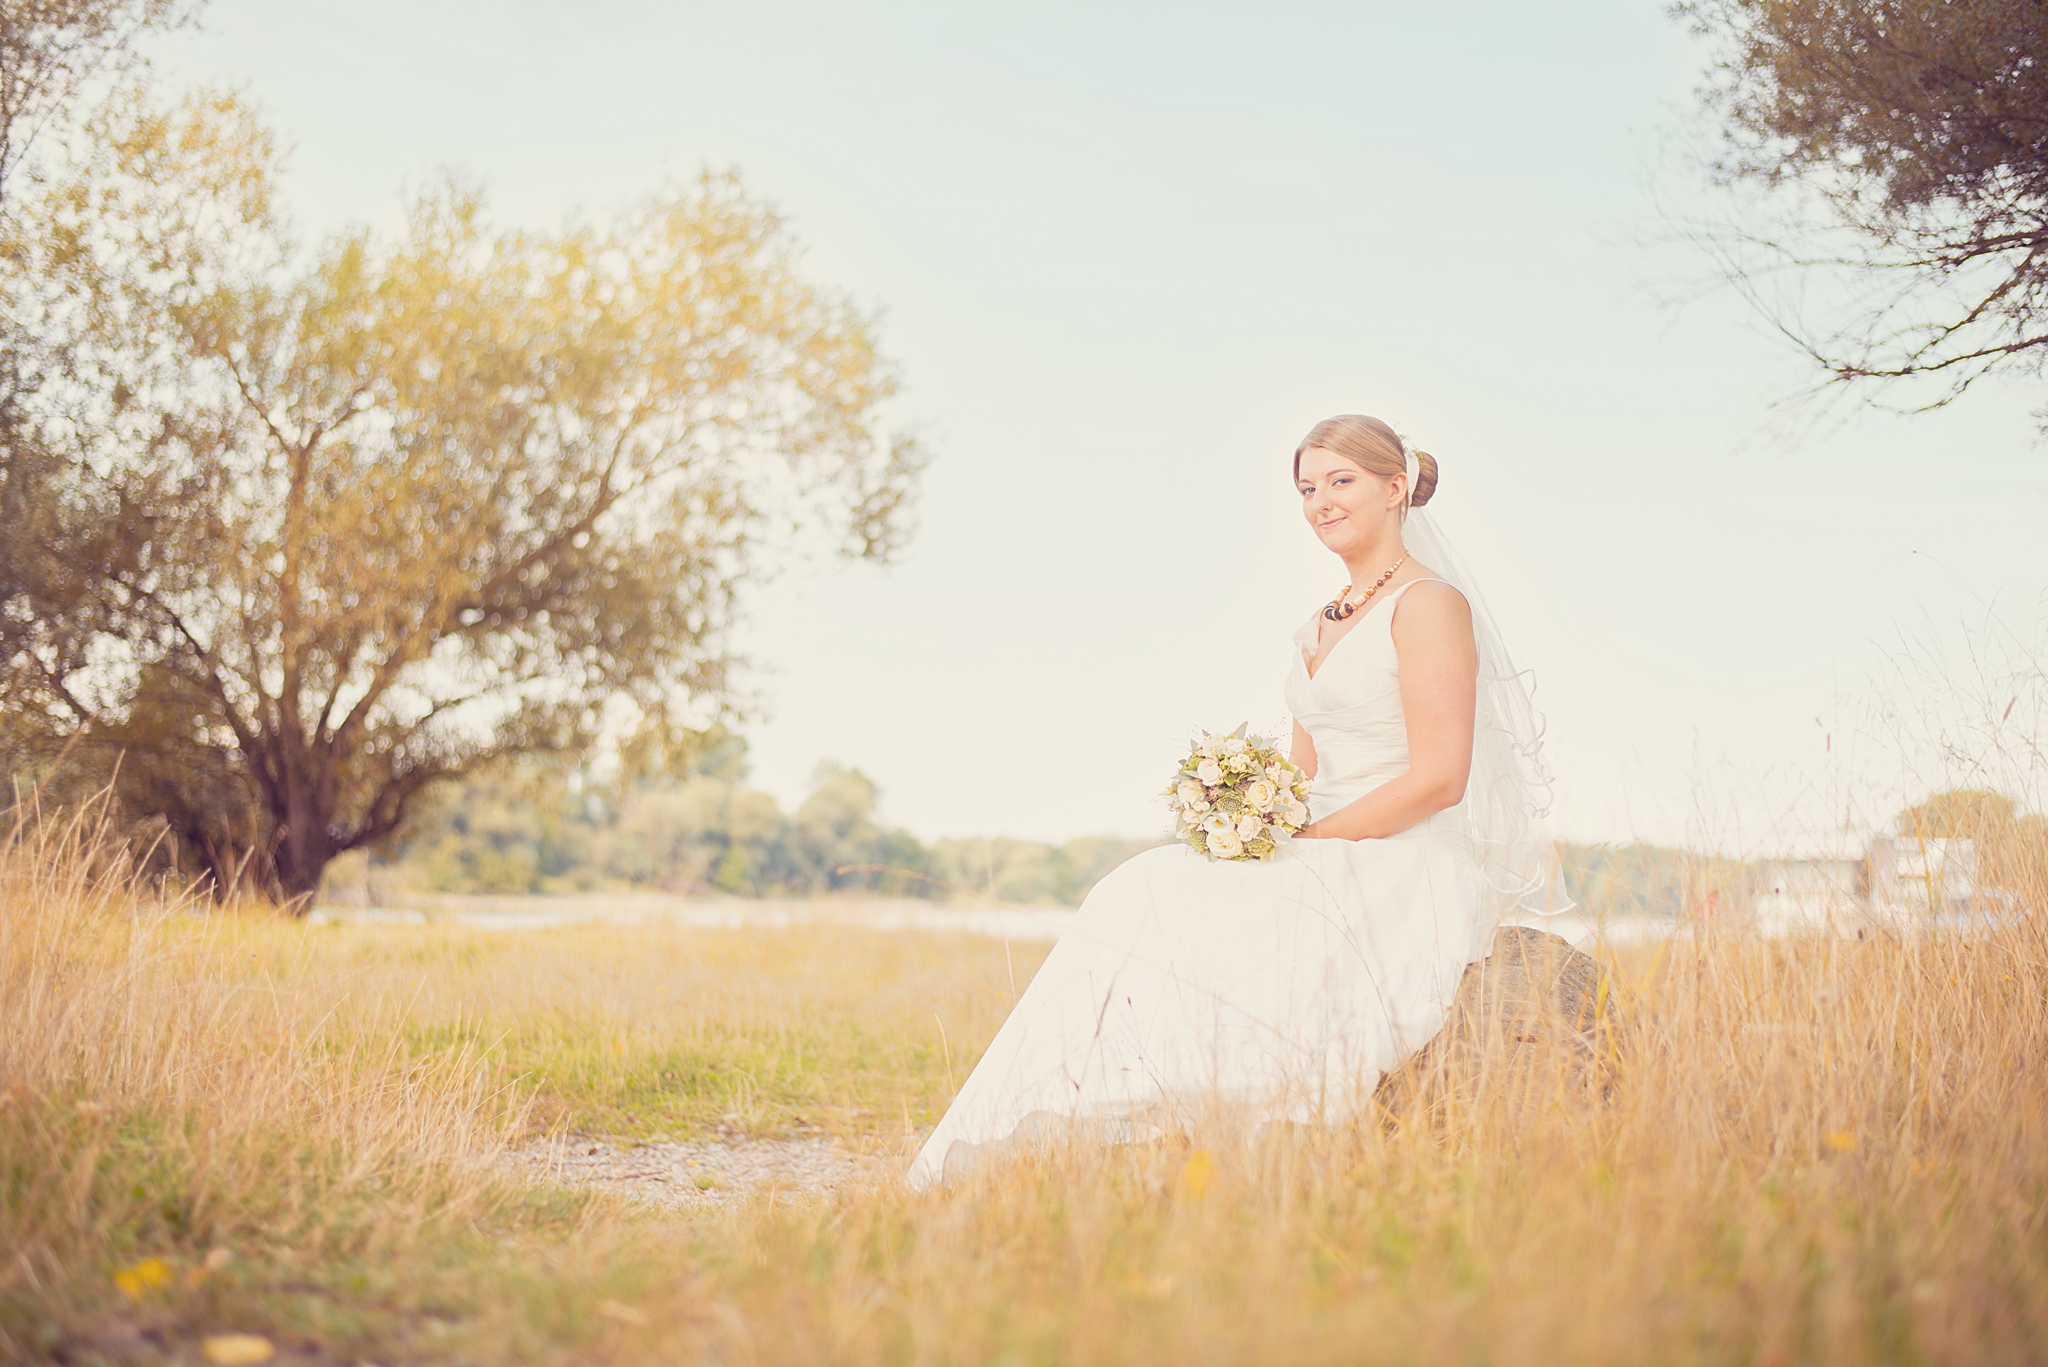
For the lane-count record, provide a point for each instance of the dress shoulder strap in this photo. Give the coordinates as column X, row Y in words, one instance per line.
column 1426, row 579
column 1394, row 599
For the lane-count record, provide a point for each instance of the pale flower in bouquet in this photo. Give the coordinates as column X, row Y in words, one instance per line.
column 1237, row 797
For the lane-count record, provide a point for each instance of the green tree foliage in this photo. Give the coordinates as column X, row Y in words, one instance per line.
column 1626, row 880
column 321, row 529
column 1913, row 135
column 544, row 827
column 1024, row 873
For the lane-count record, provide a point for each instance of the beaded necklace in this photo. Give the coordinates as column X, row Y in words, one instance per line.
column 1341, row 606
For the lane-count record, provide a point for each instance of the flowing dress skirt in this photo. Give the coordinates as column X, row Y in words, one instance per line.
column 1282, row 990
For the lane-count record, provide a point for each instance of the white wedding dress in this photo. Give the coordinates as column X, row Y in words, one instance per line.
column 1271, row 990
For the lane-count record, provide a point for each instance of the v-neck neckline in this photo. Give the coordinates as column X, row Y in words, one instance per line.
column 1314, row 671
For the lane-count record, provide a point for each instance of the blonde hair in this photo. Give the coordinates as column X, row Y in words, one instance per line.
column 1372, row 446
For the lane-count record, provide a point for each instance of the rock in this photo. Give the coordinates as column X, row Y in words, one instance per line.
column 1531, row 1022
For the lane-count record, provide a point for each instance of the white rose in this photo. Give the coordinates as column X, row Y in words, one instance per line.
column 1235, row 746
column 1297, row 813
column 1225, row 844
column 1209, row 772
column 1249, row 825
column 1261, row 794
column 1190, row 792
column 1207, row 749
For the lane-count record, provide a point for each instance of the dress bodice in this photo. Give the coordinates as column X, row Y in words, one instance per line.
column 1351, row 708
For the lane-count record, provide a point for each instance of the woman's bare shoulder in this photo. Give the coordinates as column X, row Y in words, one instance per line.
column 1432, row 607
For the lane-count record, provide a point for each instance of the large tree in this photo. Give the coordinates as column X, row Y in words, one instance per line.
column 51, row 49
column 340, row 524
column 1904, row 144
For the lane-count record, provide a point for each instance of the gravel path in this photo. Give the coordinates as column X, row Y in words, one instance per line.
column 702, row 1173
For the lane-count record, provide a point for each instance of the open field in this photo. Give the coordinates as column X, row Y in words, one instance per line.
column 1823, row 1151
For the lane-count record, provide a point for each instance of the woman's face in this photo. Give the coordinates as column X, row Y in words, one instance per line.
column 1346, row 505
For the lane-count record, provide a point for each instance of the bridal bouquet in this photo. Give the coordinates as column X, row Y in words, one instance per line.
column 1236, row 797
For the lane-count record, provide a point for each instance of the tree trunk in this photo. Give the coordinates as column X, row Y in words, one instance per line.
column 299, row 881
column 305, row 844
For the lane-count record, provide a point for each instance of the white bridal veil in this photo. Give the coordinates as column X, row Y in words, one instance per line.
column 1508, row 797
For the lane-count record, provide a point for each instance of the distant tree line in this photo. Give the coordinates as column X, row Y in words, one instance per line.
column 1637, row 879
column 2010, row 843
column 544, row 827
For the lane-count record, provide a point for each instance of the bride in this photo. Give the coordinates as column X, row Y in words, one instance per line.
column 1284, row 989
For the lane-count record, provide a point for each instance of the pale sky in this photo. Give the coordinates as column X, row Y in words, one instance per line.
column 1127, row 254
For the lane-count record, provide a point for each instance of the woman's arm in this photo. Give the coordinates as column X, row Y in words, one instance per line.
column 1432, row 629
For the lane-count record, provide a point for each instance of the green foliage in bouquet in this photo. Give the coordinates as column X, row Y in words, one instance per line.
column 1237, row 797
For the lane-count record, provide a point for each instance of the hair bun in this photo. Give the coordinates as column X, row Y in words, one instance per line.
column 1425, row 479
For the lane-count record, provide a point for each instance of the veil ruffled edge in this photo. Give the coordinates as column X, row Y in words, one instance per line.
column 1509, row 794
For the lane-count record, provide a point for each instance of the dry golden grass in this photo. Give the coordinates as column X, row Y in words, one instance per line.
column 1824, row 1152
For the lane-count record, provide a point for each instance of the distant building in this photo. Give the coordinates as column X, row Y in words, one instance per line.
column 1901, row 884
column 1807, row 896
column 1920, row 881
